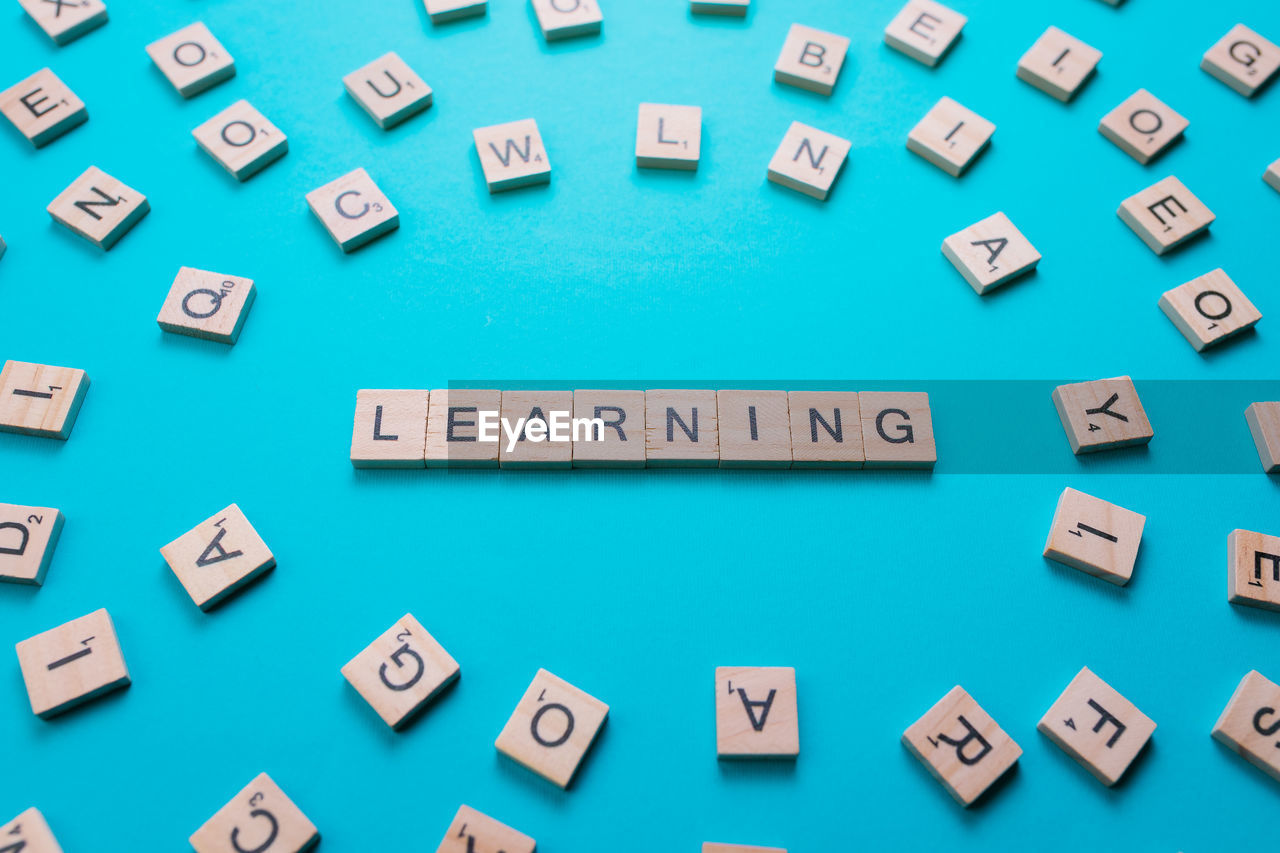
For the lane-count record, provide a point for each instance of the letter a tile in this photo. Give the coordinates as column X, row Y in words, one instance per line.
column 28, row 833
column 218, row 557
column 1097, row 727
column 401, row 671
column 474, row 832
column 756, row 714
column 961, row 746
column 1253, row 571
column 1103, row 414
column 1250, row 724
column 260, row 817
column 72, row 664
column 990, row 253
column 552, row 728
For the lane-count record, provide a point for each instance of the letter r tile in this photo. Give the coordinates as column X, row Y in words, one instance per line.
column 962, row 746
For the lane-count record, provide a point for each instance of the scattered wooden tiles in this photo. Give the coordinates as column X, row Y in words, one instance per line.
column 66, row 20
column 990, row 253
column 443, row 11
column 390, row 429
column 401, row 671
column 1143, row 126
column 897, row 429
column 1058, row 64
column 622, row 442
column 950, row 136
column 473, row 832
column 28, row 537
column 1165, row 215
column 192, row 59
column 756, row 715
column 207, row 305
column 353, row 210
column 1272, row 176
column 1243, row 60
column 242, row 140
column 552, row 728
column 713, row 847
column 218, row 557
column 1253, row 570
column 809, row 160
column 1209, row 309
column 388, row 90
column 1102, row 414
column 1095, row 536
column 99, row 208
column 734, row 8
column 40, row 399
column 826, row 429
column 961, row 746
column 1264, row 426
column 28, row 833
column 535, row 446
column 811, row 59
column 260, row 817
column 42, row 107
column 681, row 428
column 755, row 429
column 1250, row 721
column 924, row 30
column 562, row 19
column 453, row 428
column 1097, row 727
column 668, row 136
column 512, row 155
column 72, row 664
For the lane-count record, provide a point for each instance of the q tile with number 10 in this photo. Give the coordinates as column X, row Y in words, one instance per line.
column 208, row 305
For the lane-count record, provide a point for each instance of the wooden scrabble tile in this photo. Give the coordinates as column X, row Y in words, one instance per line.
column 454, row 438
column 1253, row 571
column 924, row 30
column 207, row 305
column 990, row 253
column 552, row 728
column 808, row 160
column 756, row 714
column 28, row 833
column 28, row 537
column 353, row 210
column 1249, row 723
column 562, row 19
column 755, row 429
column 1264, row 426
column 826, row 429
column 2, row 247
column 99, row 208
column 242, row 140
column 42, row 107
column 1209, row 309
column 811, row 59
column 388, row 90
column 681, row 428
column 512, row 155
column 537, row 447
column 218, row 557
column 713, row 847
column 72, row 664
column 443, row 11
column 260, row 817
column 473, row 832
column 897, row 429
column 1097, row 727
column 1243, row 60
column 961, row 746
column 66, row 20
column 1102, row 414
column 1165, row 215
column 621, row 444
column 1095, row 536
column 39, row 399
column 1272, row 176
column 1058, row 64
column 192, row 59
column 390, row 429
column 668, row 136
column 1143, row 126
column 735, row 8
column 950, row 136
column 401, row 671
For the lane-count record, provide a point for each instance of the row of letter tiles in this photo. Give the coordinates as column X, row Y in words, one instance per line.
column 634, row 429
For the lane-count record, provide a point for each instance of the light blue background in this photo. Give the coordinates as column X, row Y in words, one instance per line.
column 882, row 590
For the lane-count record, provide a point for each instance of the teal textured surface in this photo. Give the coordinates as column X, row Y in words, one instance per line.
column 883, row 590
